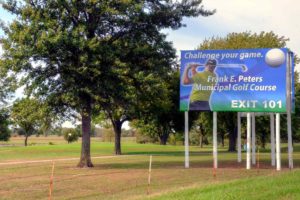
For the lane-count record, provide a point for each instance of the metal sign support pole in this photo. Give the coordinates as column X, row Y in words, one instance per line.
column 248, row 164
column 289, row 109
column 239, row 138
column 215, row 140
column 290, row 145
column 278, row 158
column 253, row 138
column 186, row 139
column 273, row 158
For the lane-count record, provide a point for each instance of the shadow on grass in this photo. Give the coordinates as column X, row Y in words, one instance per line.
column 193, row 164
column 296, row 148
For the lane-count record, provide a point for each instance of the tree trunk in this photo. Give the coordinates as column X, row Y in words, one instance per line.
column 163, row 139
column 118, row 130
column 263, row 140
column 85, row 159
column 201, row 136
column 26, row 138
column 232, row 140
column 222, row 139
column 164, row 136
column 201, row 141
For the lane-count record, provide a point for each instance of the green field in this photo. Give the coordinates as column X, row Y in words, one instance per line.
column 25, row 172
column 281, row 186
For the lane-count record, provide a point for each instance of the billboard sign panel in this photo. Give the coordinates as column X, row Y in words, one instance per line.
column 243, row 80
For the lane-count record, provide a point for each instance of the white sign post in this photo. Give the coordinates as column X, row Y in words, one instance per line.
column 186, row 139
column 215, row 140
column 278, row 158
column 253, row 138
column 273, row 158
column 248, row 164
column 239, row 138
column 289, row 109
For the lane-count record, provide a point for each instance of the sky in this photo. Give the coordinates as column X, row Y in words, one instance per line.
column 279, row 16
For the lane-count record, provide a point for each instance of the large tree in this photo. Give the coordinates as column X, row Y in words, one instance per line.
column 68, row 51
column 160, row 117
column 244, row 40
column 144, row 61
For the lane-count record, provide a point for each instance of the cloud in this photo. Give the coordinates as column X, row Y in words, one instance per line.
column 281, row 17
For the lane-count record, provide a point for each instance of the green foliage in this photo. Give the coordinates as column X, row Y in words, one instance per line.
column 178, row 139
column 32, row 117
column 27, row 114
column 245, row 40
column 4, row 122
column 161, row 116
column 49, row 120
column 201, row 128
column 77, row 54
column 70, row 135
column 78, row 129
column 145, row 131
column 101, row 120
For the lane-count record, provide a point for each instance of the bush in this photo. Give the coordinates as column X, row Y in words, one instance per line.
column 176, row 139
column 70, row 135
column 195, row 138
column 143, row 138
column 4, row 122
column 4, row 134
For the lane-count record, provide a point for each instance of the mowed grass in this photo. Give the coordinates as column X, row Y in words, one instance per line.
column 125, row 177
column 280, row 186
column 39, row 149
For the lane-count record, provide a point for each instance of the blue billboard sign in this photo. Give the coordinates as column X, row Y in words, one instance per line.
column 244, row 80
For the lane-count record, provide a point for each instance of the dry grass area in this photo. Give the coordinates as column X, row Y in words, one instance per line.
column 117, row 178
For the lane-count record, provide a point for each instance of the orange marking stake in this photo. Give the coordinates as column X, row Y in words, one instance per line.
column 215, row 171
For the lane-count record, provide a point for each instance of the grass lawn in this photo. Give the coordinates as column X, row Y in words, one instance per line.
column 126, row 177
column 280, row 186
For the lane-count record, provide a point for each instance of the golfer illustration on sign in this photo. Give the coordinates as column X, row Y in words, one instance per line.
column 199, row 99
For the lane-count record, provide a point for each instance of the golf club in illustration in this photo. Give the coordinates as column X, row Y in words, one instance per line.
column 242, row 66
column 197, row 66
